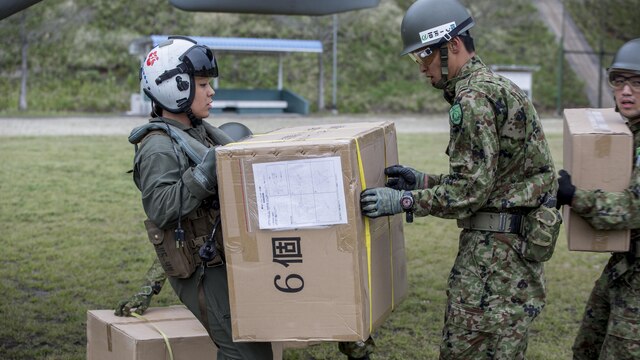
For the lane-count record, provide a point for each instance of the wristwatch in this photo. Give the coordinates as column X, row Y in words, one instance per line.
column 406, row 202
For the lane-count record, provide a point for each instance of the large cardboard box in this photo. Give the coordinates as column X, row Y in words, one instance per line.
column 303, row 263
column 598, row 153
column 129, row 338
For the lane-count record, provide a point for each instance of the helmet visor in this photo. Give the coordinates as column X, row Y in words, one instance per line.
column 617, row 81
column 200, row 61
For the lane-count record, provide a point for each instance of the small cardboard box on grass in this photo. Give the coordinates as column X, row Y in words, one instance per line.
column 129, row 338
column 598, row 153
column 303, row 263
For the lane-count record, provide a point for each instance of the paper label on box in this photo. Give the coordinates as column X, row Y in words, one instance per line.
column 300, row 193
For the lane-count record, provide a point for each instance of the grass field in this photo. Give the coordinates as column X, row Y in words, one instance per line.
column 73, row 240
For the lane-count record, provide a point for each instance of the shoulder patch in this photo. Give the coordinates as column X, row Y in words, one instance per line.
column 455, row 114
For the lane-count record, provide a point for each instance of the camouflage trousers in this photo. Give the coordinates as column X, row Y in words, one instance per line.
column 493, row 297
column 610, row 326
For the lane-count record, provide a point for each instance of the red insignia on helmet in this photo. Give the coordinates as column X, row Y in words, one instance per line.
column 153, row 56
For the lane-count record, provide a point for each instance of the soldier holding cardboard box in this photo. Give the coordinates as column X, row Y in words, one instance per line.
column 501, row 188
column 174, row 168
column 611, row 324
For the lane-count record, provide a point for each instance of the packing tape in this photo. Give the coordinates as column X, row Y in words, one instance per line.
column 254, row 139
column 317, row 130
column 602, row 146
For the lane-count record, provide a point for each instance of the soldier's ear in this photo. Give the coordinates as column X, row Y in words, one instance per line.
column 455, row 44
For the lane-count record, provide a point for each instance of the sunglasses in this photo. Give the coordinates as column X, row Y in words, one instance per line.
column 618, row 81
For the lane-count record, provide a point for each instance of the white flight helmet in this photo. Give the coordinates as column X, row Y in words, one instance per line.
column 167, row 74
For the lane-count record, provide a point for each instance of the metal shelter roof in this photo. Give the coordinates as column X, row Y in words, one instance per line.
column 142, row 46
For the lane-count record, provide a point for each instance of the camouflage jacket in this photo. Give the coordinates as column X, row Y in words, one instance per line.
column 499, row 158
column 614, row 210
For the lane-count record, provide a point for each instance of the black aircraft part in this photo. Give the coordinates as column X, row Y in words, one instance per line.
column 10, row 7
column 280, row 7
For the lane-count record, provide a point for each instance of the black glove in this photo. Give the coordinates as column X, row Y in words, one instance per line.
column 566, row 189
column 404, row 178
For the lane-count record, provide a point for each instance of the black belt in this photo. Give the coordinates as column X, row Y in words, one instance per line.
column 496, row 222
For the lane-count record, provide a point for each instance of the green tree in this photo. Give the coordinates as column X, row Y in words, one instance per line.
column 78, row 58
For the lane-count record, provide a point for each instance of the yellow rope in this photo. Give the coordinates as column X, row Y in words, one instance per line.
column 390, row 230
column 367, row 236
column 164, row 336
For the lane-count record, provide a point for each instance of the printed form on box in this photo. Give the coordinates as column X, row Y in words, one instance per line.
column 300, row 193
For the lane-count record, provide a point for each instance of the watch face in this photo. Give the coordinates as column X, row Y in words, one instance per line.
column 406, row 202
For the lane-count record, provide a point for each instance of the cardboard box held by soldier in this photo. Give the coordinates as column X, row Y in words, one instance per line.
column 598, row 153
column 129, row 338
column 303, row 264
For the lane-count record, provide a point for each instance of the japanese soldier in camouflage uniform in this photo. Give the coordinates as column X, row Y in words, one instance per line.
column 611, row 323
column 500, row 187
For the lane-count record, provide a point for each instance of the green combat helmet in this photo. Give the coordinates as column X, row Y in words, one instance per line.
column 429, row 24
column 627, row 58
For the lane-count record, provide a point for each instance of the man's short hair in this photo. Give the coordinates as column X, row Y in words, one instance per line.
column 467, row 40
